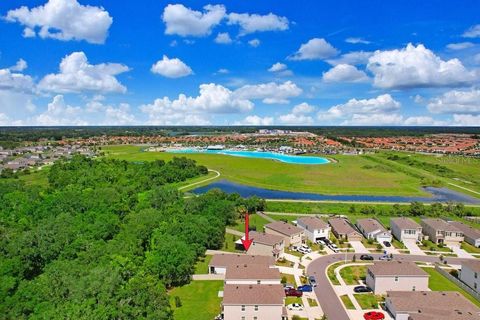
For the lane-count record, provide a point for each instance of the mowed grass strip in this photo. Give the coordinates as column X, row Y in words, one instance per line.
column 199, row 300
column 347, row 302
column 368, row 301
column 350, row 175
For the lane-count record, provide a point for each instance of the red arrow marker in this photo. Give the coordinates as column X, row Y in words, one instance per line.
column 247, row 242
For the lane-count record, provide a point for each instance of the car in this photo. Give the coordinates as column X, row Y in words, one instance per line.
column 305, row 288
column 295, row 307
column 385, row 258
column 361, row 289
column 387, row 244
column 287, row 286
column 312, row 281
column 305, row 248
column 302, row 250
column 327, row 242
column 293, row 293
column 373, row 315
column 320, row 241
column 333, row 246
column 366, row 257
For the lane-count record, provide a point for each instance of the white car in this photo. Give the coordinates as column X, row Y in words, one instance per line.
column 305, row 248
column 302, row 250
column 295, row 307
column 321, row 242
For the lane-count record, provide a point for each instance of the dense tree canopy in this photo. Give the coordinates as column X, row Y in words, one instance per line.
column 105, row 239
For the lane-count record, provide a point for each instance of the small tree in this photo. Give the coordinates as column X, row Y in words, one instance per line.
column 178, row 302
column 296, row 317
column 284, row 280
column 354, row 258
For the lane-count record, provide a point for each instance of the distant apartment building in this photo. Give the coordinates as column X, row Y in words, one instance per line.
column 342, row 229
column 265, row 244
column 470, row 274
column 220, row 262
column 441, row 232
column 372, row 229
column 405, row 229
column 314, row 228
column 292, row 235
column 385, row 276
column 471, row 234
column 430, row 305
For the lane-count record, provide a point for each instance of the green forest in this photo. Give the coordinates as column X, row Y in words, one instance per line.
column 105, row 239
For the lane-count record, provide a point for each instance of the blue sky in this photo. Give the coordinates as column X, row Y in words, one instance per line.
column 85, row 62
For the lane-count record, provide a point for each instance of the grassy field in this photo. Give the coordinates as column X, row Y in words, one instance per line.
column 350, row 175
column 351, row 275
column 368, row 301
column 437, row 282
column 202, row 265
column 255, row 221
column 229, row 243
column 199, row 300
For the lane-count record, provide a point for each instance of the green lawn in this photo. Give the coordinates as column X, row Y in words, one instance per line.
column 290, row 300
column 229, row 243
column 331, row 272
column 438, row 282
column 350, row 175
column 290, row 279
column 255, row 221
column 199, row 300
column 430, row 246
column 469, row 248
column 352, row 274
column 347, row 302
column 202, row 265
column 368, row 301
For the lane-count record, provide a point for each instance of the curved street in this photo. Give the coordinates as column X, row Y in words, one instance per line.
column 326, row 295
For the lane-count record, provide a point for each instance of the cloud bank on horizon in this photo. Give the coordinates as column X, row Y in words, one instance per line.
column 86, row 62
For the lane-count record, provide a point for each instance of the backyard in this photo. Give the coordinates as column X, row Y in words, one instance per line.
column 199, row 300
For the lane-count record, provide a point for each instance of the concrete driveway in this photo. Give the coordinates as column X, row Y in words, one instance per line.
column 460, row 252
column 359, row 247
column 413, row 247
column 389, row 250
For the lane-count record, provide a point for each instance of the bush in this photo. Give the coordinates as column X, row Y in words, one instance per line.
column 284, row 280
column 454, row 273
column 296, row 317
column 178, row 302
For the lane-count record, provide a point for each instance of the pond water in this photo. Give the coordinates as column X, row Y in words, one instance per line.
column 437, row 194
column 292, row 159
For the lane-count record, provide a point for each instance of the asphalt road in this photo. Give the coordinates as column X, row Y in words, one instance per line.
column 330, row 303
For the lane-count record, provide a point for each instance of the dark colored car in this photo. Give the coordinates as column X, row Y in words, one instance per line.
column 387, row 244
column 305, row 288
column 312, row 281
column 361, row 289
column 373, row 315
column 293, row 293
column 366, row 257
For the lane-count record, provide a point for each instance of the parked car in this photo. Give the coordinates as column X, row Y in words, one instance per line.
column 387, row 244
column 304, row 248
column 293, row 293
column 305, row 288
column 366, row 257
column 295, row 307
column 287, row 286
column 373, row 315
column 361, row 289
column 385, row 258
column 312, row 281
column 320, row 241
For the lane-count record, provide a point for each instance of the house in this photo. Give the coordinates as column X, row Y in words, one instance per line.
column 430, row 305
column 396, row 276
column 404, row 228
column 293, row 235
column 470, row 234
column 314, row 228
column 220, row 262
column 441, row 232
column 372, row 229
column 253, row 302
column 252, row 274
column 342, row 229
column 470, row 274
column 265, row 244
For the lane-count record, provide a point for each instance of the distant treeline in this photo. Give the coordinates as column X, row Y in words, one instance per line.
column 12, row 135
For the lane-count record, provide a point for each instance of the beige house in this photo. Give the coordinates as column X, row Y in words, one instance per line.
column 442, row 232
column 471, row 234
column 372, row 229
column 342, row 229
column 470, row 274
column 252, row 274
column 404, row 228
column 220, row 262
column 430, row 305
column 253, row 302
column 386, row 276
column 293, row 235
column 265, row 244
column 314, row 228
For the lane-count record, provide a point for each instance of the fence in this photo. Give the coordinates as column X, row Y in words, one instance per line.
column 459, row 283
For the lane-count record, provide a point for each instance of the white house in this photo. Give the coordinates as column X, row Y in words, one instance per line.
column 386, row 276
column 372, row 229
column 220, row 262
column 405, row 229
column 470, row 274
column 314, row 228
column 471, row 234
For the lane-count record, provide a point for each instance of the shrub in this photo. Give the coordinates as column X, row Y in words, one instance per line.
column 178, row 302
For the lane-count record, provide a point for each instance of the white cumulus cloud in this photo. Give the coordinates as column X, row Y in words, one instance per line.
column 460, row 45
column 183, row 21
column 472, row 32
column 466, row 120
column 15, row 81
column 250, row 23
column 254, row 43
column 345, row 73
column 300, row 115
column 455, row 101
column 223, row 38
column 270, row 93
column 315, row 49
column 171, row 68
column 353, row 58
column 77, row 75
column 254, row 120
column 354, row 40
column 416, row 67
column 64, row 20
column 19, row 66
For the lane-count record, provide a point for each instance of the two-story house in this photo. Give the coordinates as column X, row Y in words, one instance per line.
column 385, row 276
column 265, row 244
column 292, row 235
column 220, row 262
column 471, row 234
column 470, row 274
column 441, row 232
column 314, row 228
column 405, row 229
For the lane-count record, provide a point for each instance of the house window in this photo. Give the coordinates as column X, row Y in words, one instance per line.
column 256, row 309
column 413, row 289
column 258, row 281
column 476, row 275
column 396, row 279
column 475, row 285
column 243, row 308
